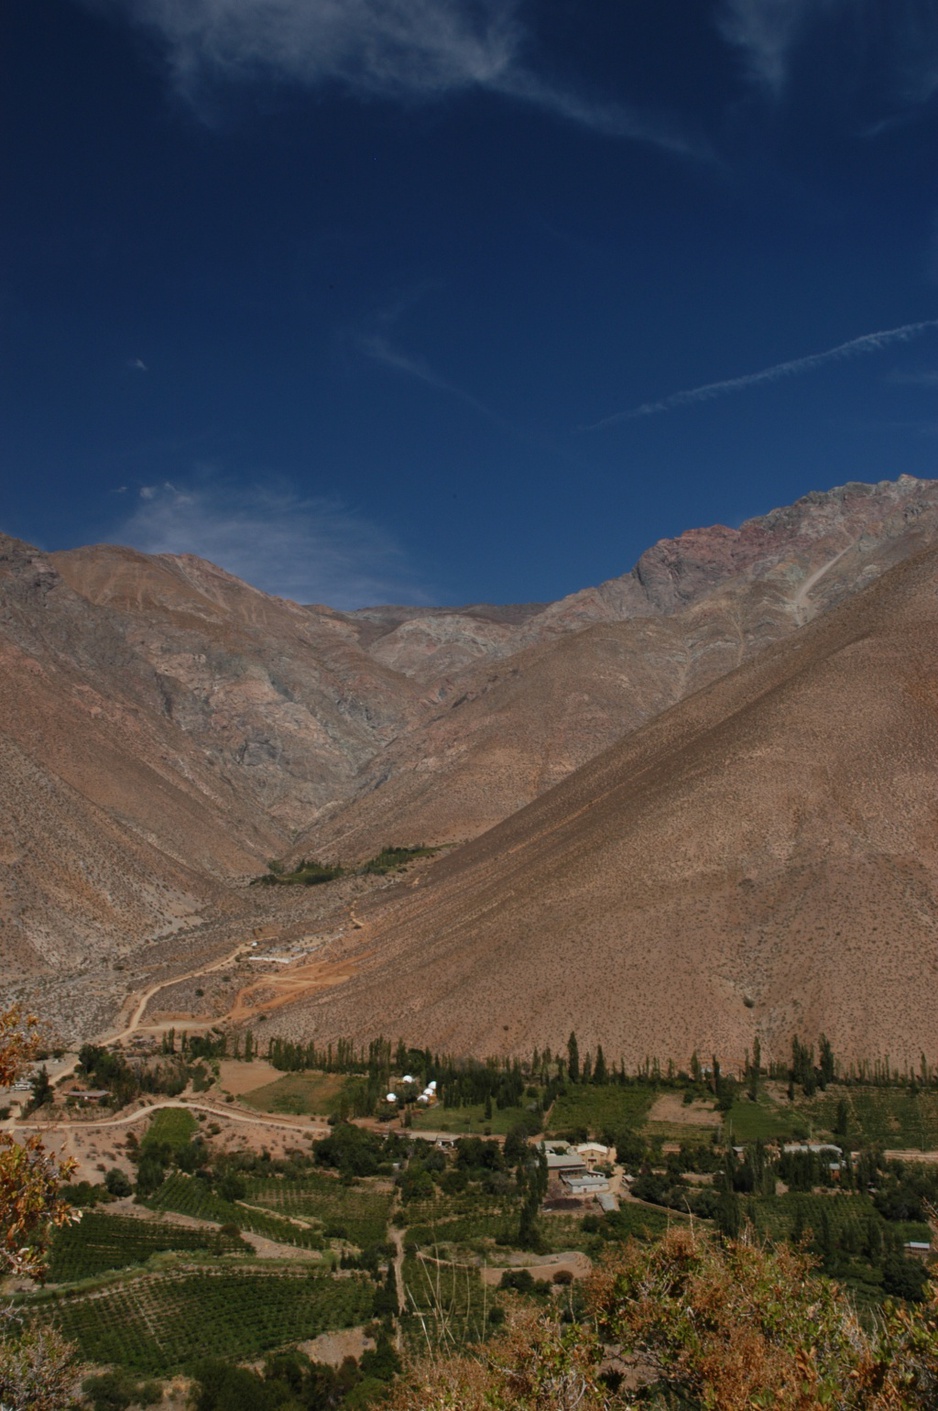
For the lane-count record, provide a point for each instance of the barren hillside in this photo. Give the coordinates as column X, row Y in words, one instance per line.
column 763, row 858
column 166, row 728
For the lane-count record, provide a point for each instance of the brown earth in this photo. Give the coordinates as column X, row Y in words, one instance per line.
column 762, row 859
column 761, row 834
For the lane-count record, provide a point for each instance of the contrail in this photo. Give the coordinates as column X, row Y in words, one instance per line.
column 868, row 343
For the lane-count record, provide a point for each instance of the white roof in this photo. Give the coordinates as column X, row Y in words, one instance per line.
column 392, row 1097
column 423, row 1098
column 408, row 1078
column 431, row 1087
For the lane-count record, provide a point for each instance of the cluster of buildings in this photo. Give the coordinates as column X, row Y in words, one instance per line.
column 574, row 1170
column 426, row 1099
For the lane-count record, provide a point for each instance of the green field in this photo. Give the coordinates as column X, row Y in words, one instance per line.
column 187, row 1195
column 889, row 1117
column 763, row 1121
column 356, row 1213
column 471, row 1120
column 99, row 1242
column 174, row 1126
column 158, row 1325
column 599, row 1109
column 302, row 1094
column 470, row 1221
column 778, row 1216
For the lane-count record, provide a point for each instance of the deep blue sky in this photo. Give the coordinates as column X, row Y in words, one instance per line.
column 391, row 299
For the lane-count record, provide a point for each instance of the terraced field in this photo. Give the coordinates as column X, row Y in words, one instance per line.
column 187, row 1195
column 468, row 1221
column 355, row 1213
column 158, row 1325
column 101, row 1241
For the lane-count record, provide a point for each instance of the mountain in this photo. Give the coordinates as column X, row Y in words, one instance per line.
column 166, row 729
column 584, row 671
column 761, row 859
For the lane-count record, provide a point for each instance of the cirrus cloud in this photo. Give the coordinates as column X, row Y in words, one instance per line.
column 310, row 549
column 382, row 48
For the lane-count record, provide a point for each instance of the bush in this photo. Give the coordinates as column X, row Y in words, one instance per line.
column 117, row 1183
column 116, row 1390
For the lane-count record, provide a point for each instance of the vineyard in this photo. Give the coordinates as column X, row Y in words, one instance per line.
column 157, row 1326
column 887, row 1117
column 345, row 1212
column 464, row 1220
column 596, row 1110
column 187, row 1195
column 173, row 1126
column 781, row 1217
column 100, row 1242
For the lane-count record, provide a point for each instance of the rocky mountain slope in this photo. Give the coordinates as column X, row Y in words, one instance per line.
column 760, row 859
column 165, row 728
column 584, row 671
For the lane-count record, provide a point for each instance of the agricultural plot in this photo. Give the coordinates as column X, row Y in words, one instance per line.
column 599, row 1109
column 301, row 1094
column 890, row 1117
column 100, row 1242
column 174, row 1126
column 470, row 1120
column 469, row 1221
column 355, row 1213
column 782, row 1217
column 157, row 1326
column 187, row 1195
column 763, row 1121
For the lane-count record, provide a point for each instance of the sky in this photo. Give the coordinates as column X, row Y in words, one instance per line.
column 454, row 301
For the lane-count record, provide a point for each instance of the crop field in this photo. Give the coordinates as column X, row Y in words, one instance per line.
column 173, row 1125
column 345, row 1212
column 100, row 1242
column 461, row 1220
column 782, row 1215
column 889, row 1117
column 470, row 1120
column 763, row 1121
column 600, row 1109
column 186, row 1195
column 302, row 1094
column 158, row 1325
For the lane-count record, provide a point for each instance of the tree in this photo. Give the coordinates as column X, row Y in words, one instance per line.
column 35, row 1361
column 573, row 1058
column 41, row 1089
column 117, row 1183
column 707, row 1327
column 30, row 1178
column 36, row 1366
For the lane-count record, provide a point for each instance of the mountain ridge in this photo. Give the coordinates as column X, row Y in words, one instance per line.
column 196, row 726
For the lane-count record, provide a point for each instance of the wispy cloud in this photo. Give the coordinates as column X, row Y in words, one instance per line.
column 897, row 38
column 926, row 377
column 308, row 549
column 380, row 48
column 856, row 347
column 378, row 347
column 766, row 31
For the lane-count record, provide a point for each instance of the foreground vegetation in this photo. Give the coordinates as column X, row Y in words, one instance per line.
column 435, row 1251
